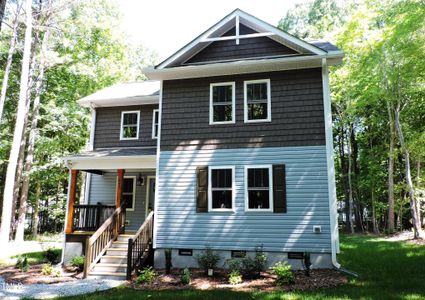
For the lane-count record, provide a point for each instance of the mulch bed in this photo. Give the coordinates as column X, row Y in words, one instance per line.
column 320, row 278
column 14, row 275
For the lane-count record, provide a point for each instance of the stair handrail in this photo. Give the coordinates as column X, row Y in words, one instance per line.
column 139, row 245
column 102, row 239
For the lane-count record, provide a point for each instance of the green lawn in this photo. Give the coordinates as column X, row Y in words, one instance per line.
column 388, row 270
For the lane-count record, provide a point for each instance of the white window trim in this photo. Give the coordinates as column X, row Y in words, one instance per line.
column 155, row 111
column 148, row 191
column 122, row 123
column 210, row 208
column 269, row 102
column 270, row 167
column 134, row 191
column 231, row 83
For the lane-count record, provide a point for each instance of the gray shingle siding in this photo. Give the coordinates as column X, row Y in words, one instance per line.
column 297, row 113
column 179, row 226
column 247, row 48
column 108, row 123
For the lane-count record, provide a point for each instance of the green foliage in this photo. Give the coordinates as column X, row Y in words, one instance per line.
column 283, row 273
column 235, row 277
column 208, row 259
column 147, row 275
column 49, row 270
column 78, row 261
column 234, row 264
column 52, row 255
column 185, row 278
column 252, row 267
column 22, row 263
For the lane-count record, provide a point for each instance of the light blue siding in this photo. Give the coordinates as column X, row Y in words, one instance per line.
column 179, row 226
column 102, row 189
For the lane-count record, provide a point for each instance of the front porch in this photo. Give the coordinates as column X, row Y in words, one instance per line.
column 112, row 225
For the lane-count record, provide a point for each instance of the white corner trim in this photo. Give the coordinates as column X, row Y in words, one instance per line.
column 245, row 101
column 270, row 167
column 66, row 218
column 122, row 124
column 212, row 85
column 330, row 163
column 158, row 152
column 233, row 189
column 92, row 128
column 87, row 188
column 155, row 111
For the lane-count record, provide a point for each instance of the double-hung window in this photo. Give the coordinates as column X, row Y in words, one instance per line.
column 257, row 101
column 130, row 125
column 155, row 123
column 222, row 103
column 129, row 192
column 221, row 188
column 259, row 188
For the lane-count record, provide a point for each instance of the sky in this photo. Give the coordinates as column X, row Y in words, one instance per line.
column 166, row 25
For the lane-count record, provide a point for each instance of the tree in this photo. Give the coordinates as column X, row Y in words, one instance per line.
column 19, row 129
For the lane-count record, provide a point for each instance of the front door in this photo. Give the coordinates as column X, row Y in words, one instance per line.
column 151, row 195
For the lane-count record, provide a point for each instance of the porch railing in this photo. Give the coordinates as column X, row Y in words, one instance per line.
column 102, row 239
column 139, row 246
column 90, row 217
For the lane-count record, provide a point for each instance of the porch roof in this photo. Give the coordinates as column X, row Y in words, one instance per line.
column 113, row 159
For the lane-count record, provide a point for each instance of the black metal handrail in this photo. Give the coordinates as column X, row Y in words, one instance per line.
column 140, row 245
column 89, row 217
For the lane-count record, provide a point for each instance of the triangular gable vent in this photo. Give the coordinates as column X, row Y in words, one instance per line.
column 234, row 20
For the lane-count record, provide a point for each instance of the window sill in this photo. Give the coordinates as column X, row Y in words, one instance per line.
column 258, row 121
column 222, row 210
column 222, row 123
column 129, row 139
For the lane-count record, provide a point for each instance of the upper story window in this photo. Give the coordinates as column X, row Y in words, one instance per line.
column 130, row 125
column 257, row 101
column 222, row 103
column 221, row 190
column 155, row 123
column 258, row 188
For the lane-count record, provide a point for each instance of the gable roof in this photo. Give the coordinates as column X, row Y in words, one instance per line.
column 231, row 20
column 306, row 55
column 129, row 93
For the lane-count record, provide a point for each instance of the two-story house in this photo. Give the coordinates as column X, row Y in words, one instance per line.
column 227, row 146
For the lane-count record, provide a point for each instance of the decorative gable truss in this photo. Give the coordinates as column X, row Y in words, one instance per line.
column 235, row 28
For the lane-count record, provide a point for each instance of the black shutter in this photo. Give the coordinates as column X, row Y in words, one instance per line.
column 279, row 189
column 202, row 189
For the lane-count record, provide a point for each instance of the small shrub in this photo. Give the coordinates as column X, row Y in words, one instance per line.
column 208, row 260
column 234, row 264
column 235, row 277
column 283, row 273
column 22, row 263
column 78, row 261
column 147, row 275
column 168, row 260
column 52, row 255
column 47, row 269
column 252, row 267
column 185, row 279
column 307, row 264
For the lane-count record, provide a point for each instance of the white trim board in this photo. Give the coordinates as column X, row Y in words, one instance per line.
column 137, row 125
column 245, row 101
column 233, row 189
column 226, row 23
column 271, row 203
column 148, row 179
column 111, row 162
column 155, row 111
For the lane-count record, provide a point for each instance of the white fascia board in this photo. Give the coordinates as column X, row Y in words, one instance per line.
column 243, row 67
column 111, row 162
column 142, row 100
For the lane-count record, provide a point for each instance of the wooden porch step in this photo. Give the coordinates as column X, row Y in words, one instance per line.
column 108, row 275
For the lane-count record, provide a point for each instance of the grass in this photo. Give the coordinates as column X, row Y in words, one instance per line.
column 32, row 257
column 388, row 270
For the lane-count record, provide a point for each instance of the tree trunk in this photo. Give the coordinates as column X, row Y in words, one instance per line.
column 11, row 51
column 36, row 210
column 31, row 143
column 417, row 230
column 350, row 187
column 374, row 223
column 390, row 222
column 18, row 131
column 2, row 10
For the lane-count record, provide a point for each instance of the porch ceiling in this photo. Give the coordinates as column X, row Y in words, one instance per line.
column 113, row 159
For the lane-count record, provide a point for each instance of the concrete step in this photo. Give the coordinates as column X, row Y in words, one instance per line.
column 120, row 244
column 110, row 268
column 107, row 275
column 117, row 251
column 114, row 259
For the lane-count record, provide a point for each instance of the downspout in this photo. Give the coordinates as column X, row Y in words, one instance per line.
column 330, row 163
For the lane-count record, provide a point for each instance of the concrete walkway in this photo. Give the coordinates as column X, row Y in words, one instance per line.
column 46, row 291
